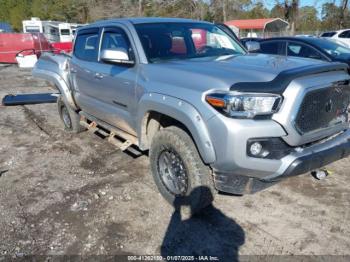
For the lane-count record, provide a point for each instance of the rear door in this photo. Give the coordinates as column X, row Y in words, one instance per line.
column 116, row 83
column 83, row 71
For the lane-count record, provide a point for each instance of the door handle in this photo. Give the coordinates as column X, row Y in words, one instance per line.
column 98, row 76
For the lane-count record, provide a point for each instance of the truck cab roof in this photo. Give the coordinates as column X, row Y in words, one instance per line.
column 143, row 20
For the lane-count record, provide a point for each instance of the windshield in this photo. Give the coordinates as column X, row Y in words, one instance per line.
column 164, row 41
column 333, row 49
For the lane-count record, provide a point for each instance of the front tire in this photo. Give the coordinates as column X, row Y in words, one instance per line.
column 178, row 171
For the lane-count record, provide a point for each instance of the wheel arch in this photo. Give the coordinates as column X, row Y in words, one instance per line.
column 59, row 84
column 167, row 110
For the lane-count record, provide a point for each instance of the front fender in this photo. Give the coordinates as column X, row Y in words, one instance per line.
column 183, row 112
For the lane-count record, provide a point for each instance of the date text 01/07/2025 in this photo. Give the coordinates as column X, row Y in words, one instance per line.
column 172, row 258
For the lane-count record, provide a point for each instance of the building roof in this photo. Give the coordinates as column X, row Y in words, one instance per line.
column 260, row 24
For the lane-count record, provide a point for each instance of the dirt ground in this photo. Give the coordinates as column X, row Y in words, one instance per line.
column 77, row 194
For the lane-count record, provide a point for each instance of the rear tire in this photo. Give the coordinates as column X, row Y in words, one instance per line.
column 178, row 171
column 69, row 117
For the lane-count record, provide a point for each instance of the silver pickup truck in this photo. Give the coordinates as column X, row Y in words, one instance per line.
column 212, row 116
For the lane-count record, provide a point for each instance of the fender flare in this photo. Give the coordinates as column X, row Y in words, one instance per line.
column 59, row 83
column 183, row 112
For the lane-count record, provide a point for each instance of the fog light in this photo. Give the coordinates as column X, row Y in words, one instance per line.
column 268, row 147
column 256, row 148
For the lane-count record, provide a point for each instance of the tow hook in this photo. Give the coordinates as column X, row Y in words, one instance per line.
column 320, row 174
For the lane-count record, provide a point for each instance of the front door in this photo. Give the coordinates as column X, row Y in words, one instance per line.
column 117, row 82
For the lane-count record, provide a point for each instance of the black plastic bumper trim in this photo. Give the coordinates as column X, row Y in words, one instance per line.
column 241, row 184
column 316, row 160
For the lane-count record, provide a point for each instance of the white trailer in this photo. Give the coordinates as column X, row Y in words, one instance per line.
column 48, row 28
column 65, row 32
column 34, row 25
column 54, row 31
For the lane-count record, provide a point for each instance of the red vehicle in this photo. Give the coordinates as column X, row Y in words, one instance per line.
column 12, row 44
column 62, row 47
column 199, row 38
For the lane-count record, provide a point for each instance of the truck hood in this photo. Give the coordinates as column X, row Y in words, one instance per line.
column 223, row 72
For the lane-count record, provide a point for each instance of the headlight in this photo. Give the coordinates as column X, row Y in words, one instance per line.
column 244, row 105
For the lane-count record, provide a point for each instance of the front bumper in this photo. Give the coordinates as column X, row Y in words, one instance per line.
column 240, row 184
column 317, row 159
column 235, row 172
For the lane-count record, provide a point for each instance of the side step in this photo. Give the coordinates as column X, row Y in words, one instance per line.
column 29, row 99
column 115, row 141
column 115, row 136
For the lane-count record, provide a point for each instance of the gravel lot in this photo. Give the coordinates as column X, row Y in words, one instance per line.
column 77, row 194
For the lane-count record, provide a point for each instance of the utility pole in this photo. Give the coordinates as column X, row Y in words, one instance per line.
column 140, row 11
column 295, row 9
column 344, row 6
column 291, row 13
column 224, row 14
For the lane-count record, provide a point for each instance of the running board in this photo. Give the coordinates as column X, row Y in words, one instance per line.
column 29, row 99
column 115, row 141
column 113, row 134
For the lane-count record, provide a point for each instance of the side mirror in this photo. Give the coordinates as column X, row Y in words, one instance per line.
column 116, row 56
column 252, row 46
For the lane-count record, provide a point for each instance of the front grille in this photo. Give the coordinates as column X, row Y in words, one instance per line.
column 323, row 108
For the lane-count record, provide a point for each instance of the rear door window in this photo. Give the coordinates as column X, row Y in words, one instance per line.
column 86, row 45
column 345, row 34
column 302, row 50
column 273, row 47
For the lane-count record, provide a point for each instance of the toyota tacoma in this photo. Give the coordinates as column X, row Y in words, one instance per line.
column 210, row 115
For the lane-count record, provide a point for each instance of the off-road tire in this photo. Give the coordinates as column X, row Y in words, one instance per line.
column 200, row 190
column 72, row 125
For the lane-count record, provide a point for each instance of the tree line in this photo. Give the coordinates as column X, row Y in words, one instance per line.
column 329, row 16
